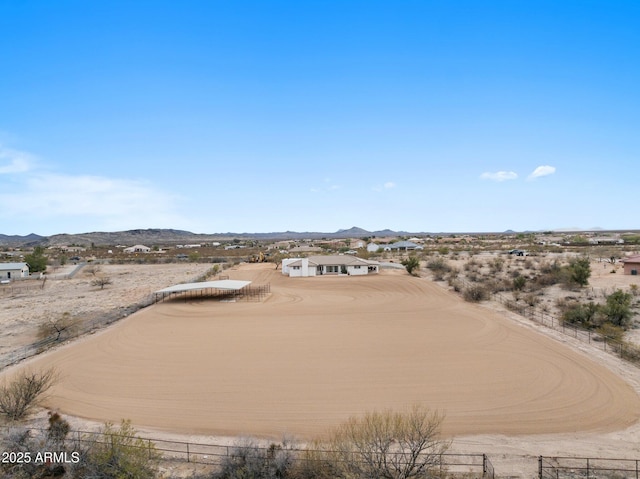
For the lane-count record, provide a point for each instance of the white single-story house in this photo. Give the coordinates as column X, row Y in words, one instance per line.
column 606, row 240
column 372, row 247
column 328, row 265
column 403, row 246
column 137, row 249
column 9, row 271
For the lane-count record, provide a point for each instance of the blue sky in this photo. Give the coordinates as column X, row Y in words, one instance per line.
column 219, row 116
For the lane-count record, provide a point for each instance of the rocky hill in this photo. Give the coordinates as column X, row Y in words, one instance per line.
column 157, row 236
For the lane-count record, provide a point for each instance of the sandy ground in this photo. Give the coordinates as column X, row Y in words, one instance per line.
column 321, row 349
column 30, row 305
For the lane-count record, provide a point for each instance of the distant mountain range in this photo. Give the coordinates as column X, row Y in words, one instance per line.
column 157, row 236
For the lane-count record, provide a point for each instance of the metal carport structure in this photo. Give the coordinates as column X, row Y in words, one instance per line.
column 223, row 287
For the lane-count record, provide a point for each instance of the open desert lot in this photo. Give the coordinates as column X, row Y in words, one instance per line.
column 319, row 350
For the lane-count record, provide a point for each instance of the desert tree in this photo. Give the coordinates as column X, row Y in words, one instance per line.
column 22, row 393
column 617, row 309
column 60, row 327
column 37, row 261
column 101, row 281
column 389, row 444
column 580, row 269
column 412, row 265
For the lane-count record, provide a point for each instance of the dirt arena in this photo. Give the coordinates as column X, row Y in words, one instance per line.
column 321, row 349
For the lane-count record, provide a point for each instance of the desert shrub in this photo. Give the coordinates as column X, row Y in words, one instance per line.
column 576, row 273
column 578, row 314
column 389, row 445
column 472, row 265
column 496, row 265
column 611, row 332
column 519, row 282
column 630, row 352
column 455, row 284
column 439, row 266
column 634, row 290
column 120, row 454
column 248, row 460
column 494, row 285
column 24, row 392
column 531, row 299
column 315, row 463
column 617, row 309
column 475, row 293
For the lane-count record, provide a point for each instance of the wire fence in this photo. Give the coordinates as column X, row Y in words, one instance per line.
column 587, row 468
column 624, row 350
column 78, row 329
column 478, row 465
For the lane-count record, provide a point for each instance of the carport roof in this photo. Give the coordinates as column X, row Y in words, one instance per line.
column 226, row 284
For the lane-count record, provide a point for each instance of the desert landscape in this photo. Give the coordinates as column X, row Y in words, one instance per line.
column 319, row 350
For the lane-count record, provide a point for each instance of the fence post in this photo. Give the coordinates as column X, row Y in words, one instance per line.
column 188, row 457
column 587, row 468
column 540, row 467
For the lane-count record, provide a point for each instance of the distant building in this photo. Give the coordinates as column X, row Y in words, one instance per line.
column 10, row 271
column 403, row 246
column 606, row 240
column 631, row 265
column 328, row 265
column 373, row 247
column 137, row 249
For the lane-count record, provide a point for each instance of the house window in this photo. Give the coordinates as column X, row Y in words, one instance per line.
column 356, row 267
column 332, row 269
column 296, row 267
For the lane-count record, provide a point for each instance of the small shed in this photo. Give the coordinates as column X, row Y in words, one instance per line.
column 10, row 271
column 631, row 265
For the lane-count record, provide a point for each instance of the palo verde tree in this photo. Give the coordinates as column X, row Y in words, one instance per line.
column 577, row 272
column 617, row 309
column 37, row 261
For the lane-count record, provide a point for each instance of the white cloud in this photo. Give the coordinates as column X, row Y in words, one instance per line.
column 386, row 186
column 499, row 176
column 540, row 171
column 92, row 201
column 13, row 161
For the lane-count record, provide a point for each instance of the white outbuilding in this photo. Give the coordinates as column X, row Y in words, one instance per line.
column 10, row 271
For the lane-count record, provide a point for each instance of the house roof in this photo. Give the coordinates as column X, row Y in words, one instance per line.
column 631, row 259
column 225, row 284
column 12, row 266
column 403, row 244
